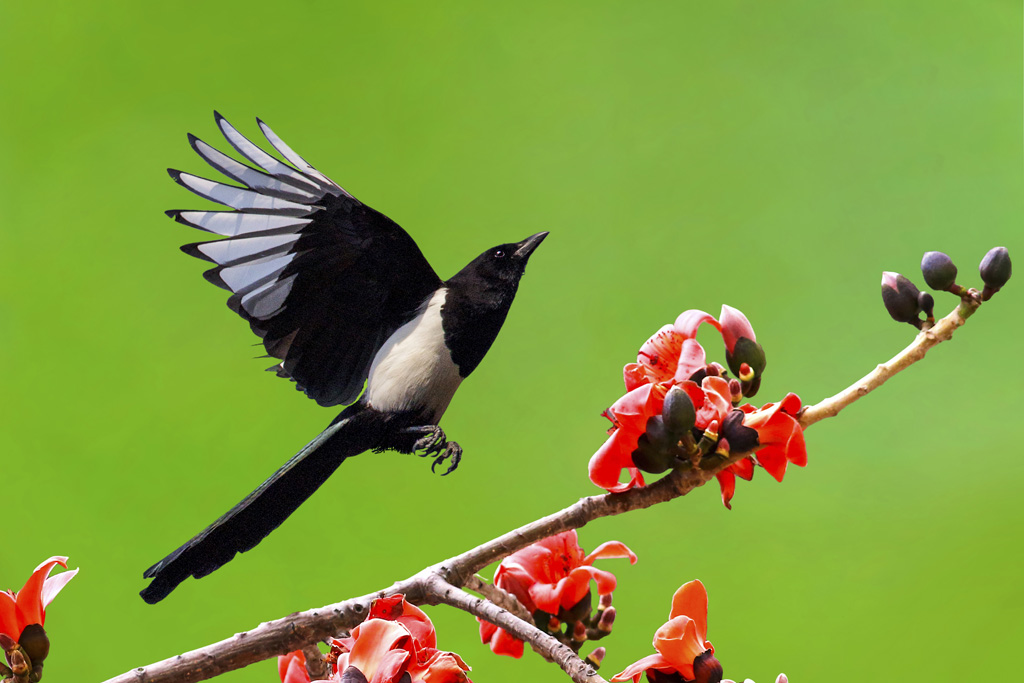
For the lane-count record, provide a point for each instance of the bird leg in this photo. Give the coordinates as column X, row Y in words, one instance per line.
column 431, row 442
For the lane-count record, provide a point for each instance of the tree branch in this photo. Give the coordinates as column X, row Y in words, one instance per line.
column 442, row 582
column 939, row 332
column 552, row 650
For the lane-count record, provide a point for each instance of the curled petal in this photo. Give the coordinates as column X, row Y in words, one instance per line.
column 691, row 600
column 292, row 668
column 500, row 642
column 54, row 585
column 397, row 608
column 610, row 549
column 734, row 326
column 635, row 670
column 374, row 640
column 744, row 468
column 678, row 642
column 727, row 482
column 441, row 667
column 634, row 376
column 688, row 322
column 717, row 401
column 691, row 359
column 615, row 455
column 30, row 608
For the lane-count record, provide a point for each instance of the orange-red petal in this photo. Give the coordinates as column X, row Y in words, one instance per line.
column 292, row 667
column 691, row 600
column 635, row 670
column 610, row 549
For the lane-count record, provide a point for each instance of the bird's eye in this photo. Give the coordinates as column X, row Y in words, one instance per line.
column 499, row 254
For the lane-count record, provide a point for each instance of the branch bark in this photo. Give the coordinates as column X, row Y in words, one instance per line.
column 552, row 650
column 443, row 582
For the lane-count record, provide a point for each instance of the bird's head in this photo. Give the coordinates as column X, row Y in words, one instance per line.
column 500, row 267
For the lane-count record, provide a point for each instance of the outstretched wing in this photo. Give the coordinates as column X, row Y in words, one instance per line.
column 322, row 278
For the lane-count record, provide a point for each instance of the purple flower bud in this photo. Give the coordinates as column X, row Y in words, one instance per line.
column 678, row 413
column 901, row 298
column 995, row 270
column 939, row 271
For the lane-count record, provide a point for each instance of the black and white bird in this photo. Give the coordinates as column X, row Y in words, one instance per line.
column 342, row 297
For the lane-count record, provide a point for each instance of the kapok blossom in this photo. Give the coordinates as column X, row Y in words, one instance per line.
column 28, row 606
column 395, row 644
column 551, row 576
column 672, row 357
column 681, row 643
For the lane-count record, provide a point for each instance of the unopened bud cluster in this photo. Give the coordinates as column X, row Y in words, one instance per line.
column 580, row 623
column 905, row 302
column 673, row 440
column 24, row 657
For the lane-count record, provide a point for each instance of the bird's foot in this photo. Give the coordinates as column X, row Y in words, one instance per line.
column 432, row 443
column 451, row 450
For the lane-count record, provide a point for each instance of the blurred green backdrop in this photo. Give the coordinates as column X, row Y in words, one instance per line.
column 774, row 156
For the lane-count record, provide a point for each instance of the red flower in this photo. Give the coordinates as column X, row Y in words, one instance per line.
column 629, row 415
column 779, row 433
column 396, row 639
column 681, row 640
column 28, row 606
column 727, row 478
column 553, row 576
column 670, row 358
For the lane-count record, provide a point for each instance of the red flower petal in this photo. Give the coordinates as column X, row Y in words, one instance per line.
column 727, row 482
column 691, row 600
column 634, row 376
column 679, row 643
column 9, row 624
column 691, row 359
column 734, row 326
column 292, row 667
column 610, row 549
column 374, row 639
column 773, row 460
column 660, row 353
column 635, row 670
column 688, row 322
column 611, row 459
column 744, row 468
column 30, row 608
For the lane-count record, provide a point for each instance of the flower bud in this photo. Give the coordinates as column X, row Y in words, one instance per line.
column 352, row 675
column 579, row 632
column 607, row 620
column 707, row 669
column 578, row 611
column 995, row 270
column 939, row 271
column 35, row 643
column 782, row 679
column 678, row 413
column 746, row 352
column 927, row 304
column 741, row 439
column 595, row 658
column 901, row 298
column 606, row 601
column 7, row 643
column 19, row 665
column 650, row 457
column 736, row 389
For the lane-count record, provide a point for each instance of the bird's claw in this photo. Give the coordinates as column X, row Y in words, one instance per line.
column 451, row 450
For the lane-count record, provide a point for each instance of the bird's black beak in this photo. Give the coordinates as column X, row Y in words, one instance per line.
column 527, row 246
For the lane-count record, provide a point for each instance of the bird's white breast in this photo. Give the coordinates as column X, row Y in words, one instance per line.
column 414, row 369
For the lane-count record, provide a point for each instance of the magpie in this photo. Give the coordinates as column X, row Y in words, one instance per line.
column 346, row 302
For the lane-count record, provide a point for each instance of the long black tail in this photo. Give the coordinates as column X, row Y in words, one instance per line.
column 263, row 510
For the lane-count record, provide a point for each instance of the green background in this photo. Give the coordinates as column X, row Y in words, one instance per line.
column 773, row 156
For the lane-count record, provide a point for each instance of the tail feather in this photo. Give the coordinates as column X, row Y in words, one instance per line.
column 263, row 510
